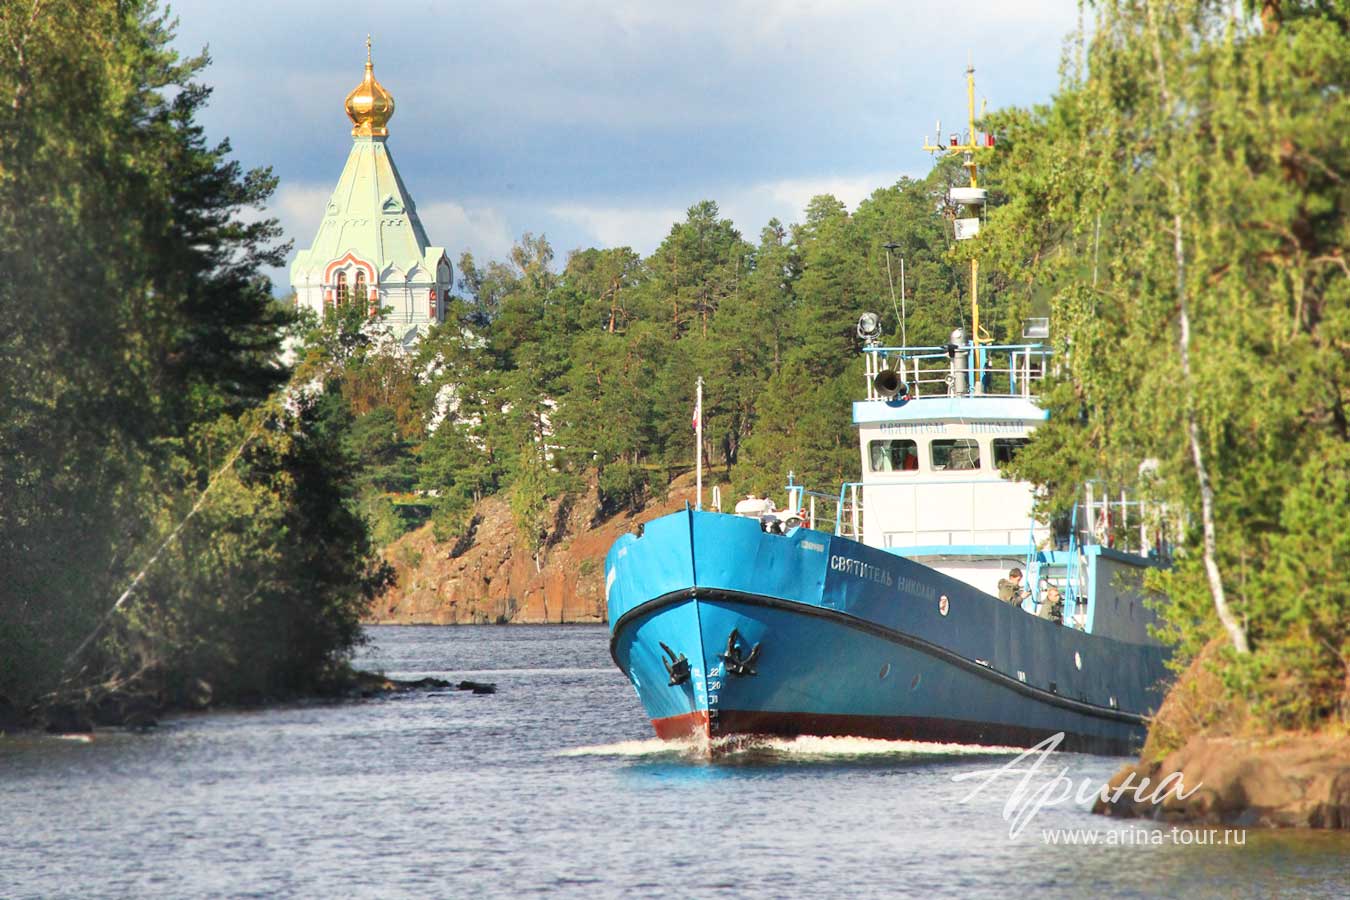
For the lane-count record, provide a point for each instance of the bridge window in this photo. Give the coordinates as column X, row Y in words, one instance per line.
column 894, row 456
column 955, row 455
column 1007, row 448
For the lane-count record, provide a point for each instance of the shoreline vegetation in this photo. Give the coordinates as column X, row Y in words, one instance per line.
column 103, row 706
column 1243, row 774
column 1183, row 202
column 179, row 509
column 175, row 505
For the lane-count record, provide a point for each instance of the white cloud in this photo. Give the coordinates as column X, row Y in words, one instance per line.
column 600, row 121
column 643, row 225
column 299, row 208
column 482, row 230
column 752, row 207
column 639, row 227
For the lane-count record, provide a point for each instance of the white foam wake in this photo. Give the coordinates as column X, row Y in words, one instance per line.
column 802, row 747
column 648, row 747
column 811, row 745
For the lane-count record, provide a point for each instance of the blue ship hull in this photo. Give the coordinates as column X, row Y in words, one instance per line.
column 853, row 641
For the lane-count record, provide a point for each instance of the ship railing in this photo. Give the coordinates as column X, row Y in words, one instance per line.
column 840, row 513
column 817, row 510
column 1014, row 539
column 987, row 370
column 1112, row 518
column 849, row 521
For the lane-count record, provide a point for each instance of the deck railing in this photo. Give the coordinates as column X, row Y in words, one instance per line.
column 1112, row 518
column 841, row 514
column 989, row 370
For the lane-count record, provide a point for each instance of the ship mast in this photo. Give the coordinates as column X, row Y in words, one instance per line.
column 973, row 197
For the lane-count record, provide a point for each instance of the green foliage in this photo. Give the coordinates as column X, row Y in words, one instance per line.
column 273, row 574
column 140, row 341
column 544, row 378
column 622, row 486
column 1196, row 155
column 532, row 486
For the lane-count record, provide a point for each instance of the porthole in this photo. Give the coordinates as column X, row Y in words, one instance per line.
column 1077, row 661
column 885, row 670
column 943, row 605
column 914, row 683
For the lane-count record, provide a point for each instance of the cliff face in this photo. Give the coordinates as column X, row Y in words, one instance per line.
column 495, row 579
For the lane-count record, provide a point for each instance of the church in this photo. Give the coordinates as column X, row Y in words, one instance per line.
column 371, row 249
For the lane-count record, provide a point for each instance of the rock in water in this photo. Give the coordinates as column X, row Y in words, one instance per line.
column 1293, row 781
column 424, row 684
column 478, row 687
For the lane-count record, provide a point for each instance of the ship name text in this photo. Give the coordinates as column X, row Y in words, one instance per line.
column 912, row 428
column 917, row 588
column 859, row 569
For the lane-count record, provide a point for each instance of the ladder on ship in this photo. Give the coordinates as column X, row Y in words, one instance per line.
column 1066, row 571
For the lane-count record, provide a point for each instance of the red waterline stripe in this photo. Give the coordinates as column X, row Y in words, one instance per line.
column 674, row 727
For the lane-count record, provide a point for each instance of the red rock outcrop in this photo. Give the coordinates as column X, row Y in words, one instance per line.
column 1227, row 771
column 495, row 579
column 1290, row 781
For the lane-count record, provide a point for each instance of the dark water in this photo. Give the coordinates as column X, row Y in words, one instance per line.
column 553, row 785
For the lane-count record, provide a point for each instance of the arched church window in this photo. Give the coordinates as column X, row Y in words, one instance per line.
column 359, row 295
column 343, row 297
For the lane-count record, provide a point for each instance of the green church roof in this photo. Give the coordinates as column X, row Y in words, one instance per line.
column 371, row 216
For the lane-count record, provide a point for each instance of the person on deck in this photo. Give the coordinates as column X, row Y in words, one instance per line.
column 1010, row 589
column 1052, row 605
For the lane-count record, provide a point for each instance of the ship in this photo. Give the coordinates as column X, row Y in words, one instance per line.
column 892, row 608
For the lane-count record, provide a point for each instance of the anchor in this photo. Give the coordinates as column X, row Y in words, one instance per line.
column 737, row 664
column 677, row 667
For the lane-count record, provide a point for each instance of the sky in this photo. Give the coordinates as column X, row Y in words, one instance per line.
column 598, row 124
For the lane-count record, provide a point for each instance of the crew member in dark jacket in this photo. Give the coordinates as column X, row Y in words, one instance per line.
column 1010, row 589
column 1052, row 605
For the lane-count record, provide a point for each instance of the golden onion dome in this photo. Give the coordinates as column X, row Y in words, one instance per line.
column 369, row 105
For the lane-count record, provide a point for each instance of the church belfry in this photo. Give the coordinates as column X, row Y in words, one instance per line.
column 371, row 248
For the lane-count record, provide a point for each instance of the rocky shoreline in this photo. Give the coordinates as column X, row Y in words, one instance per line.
column 1284, row 781
column 141, row 711
column 491, row 577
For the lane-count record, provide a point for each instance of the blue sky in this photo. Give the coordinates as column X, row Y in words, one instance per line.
column 598, row 124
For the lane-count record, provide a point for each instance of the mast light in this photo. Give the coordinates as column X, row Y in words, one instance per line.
column 869, row 327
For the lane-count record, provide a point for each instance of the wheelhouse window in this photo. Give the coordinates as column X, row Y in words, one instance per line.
column 961, row 454
column 1005, row 449
column 894, row 455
